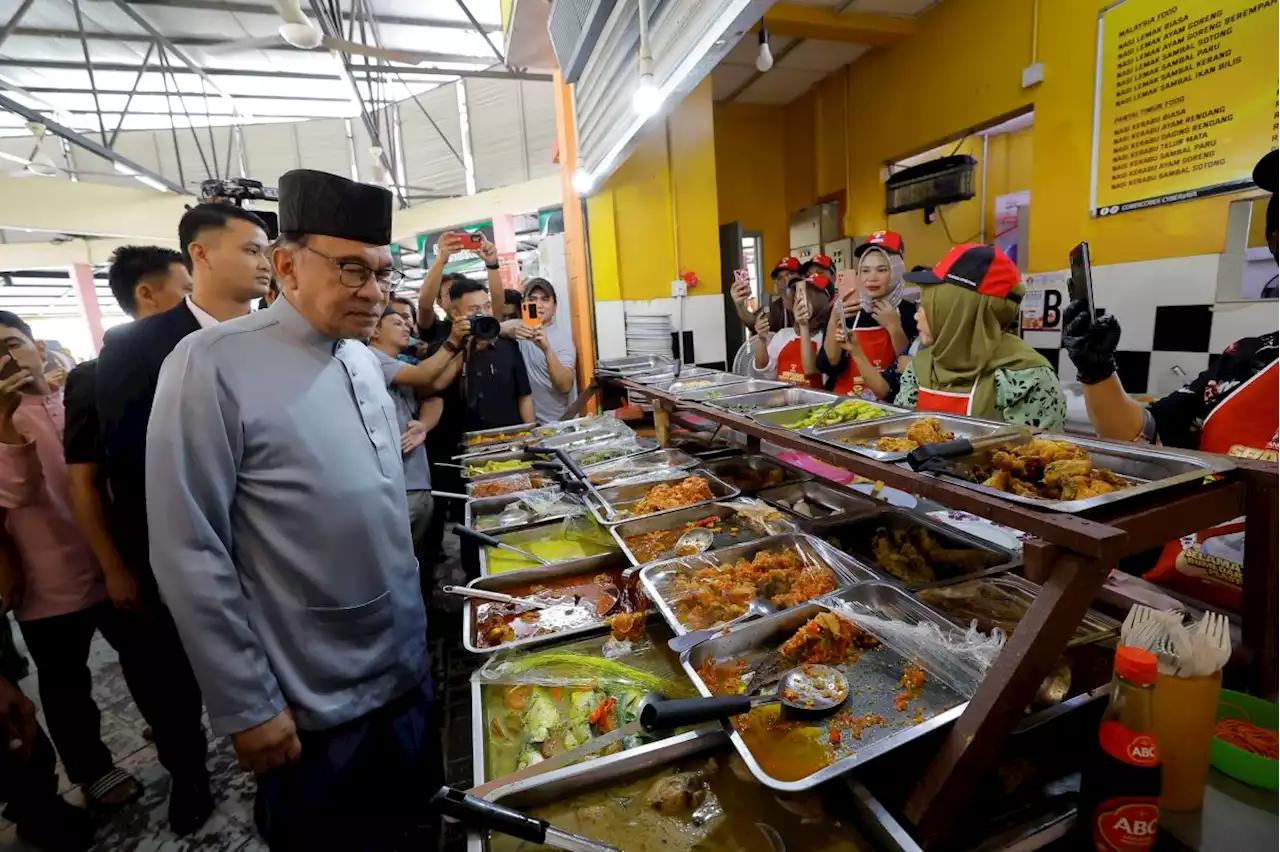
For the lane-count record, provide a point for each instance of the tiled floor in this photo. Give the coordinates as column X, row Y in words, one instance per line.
column 143, row 826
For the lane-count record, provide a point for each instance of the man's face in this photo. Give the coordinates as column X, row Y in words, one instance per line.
column 312, row 281
column 475, row 302
column 405, row 314
column 234, row 260
column 393, row 330
column 23, row 350
column 157, row 295
column 545, row 304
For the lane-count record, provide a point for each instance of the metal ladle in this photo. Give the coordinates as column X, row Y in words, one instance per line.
column 694, row 541
column 811, row 688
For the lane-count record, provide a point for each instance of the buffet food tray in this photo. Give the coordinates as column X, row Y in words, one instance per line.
column 502, row 430
column 855, row 538
column 635, row 364
column 541, row 480
column 631, row 446
column 569, row 781
column 742, row 386
column 537, row 532
column 783, row 396
column 481, row 507
column 564, row 427
column 677, row 518
column 873, row 679
column 844, row 505
column 506, row 455
column 1094, row 627
column 778, row 417
column 655, row 578
column 896, row 427
column 664, row 377
column 622, row 496
column 697, row 384
column 525, row 577
column 1151, row 469
column 577, row 440
column 744, row 465
column 656, row 634
column 640, row 464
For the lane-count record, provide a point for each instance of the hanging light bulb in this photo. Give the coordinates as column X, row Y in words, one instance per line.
column 647, row 98
column 582, row 182
column 764, row 56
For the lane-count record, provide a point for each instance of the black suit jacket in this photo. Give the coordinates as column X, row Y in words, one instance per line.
column 127, row 374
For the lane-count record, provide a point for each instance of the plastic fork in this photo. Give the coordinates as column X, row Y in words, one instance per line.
column 1139, row 621
column 1212, row 635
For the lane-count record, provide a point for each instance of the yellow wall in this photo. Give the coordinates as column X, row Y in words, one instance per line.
column 633, row 241
column 750, row 184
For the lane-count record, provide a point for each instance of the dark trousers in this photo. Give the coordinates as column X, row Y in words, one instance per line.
column 153, row 665
column 363, row 785
column 30, row 786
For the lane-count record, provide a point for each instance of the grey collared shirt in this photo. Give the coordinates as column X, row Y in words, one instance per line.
column 279, row 527
column 417, row 472
column 549, row 404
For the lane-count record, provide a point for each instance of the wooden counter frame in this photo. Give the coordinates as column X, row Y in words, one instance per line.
column 1071, row 557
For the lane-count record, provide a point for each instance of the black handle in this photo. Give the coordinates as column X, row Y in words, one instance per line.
column 475, row 536
column 481, row 814
column 679, row 712
column 546, row 465
column 571, row 465
column 923, row 455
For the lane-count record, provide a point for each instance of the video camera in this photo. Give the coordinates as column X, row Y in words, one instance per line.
column 239, row 190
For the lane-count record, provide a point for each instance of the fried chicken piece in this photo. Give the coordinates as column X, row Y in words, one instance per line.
column 1000, row 480
column 928, row 430
column 1022, row 489
column 895, row 445
column 1083, row 487
column 1051, row 451
column 1059, row 472
column 1007, row 461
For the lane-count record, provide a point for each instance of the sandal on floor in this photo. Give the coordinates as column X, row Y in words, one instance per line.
column 114, row 790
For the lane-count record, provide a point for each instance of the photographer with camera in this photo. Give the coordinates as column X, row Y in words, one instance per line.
column 485, row 379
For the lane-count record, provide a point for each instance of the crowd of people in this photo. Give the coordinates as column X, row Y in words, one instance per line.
column 201, row 493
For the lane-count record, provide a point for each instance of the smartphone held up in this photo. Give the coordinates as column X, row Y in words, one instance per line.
column 1080, row 282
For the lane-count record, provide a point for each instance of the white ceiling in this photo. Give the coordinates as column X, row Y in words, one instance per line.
column 798, row 63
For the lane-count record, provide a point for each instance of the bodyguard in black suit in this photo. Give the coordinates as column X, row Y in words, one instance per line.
column 226, row 249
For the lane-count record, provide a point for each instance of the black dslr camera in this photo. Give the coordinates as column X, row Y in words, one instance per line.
column 485, row 328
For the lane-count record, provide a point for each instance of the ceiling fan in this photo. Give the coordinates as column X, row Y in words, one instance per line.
column 40, row 164
column 297, row 30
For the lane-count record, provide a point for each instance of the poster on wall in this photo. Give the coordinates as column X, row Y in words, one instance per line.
column 1043, row 302
column 1008, row 238
column 1185, row 100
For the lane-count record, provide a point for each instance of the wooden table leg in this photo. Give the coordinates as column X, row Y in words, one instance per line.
column 973, row 745
column 1260, row 586
column 661, row 424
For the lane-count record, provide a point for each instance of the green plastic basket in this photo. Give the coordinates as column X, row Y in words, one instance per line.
column 1252, row 769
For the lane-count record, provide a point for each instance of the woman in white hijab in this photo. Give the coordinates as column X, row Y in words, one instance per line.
column 864, row 341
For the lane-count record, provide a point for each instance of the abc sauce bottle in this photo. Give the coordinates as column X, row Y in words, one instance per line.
column 1120, row 789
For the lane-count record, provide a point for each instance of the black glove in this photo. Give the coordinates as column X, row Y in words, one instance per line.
column 1091, row 345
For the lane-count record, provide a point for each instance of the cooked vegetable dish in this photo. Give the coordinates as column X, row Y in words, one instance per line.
column 504, row 466
column 913, row 555
column 852, row 411
column 1050, row 470
column 713, row 594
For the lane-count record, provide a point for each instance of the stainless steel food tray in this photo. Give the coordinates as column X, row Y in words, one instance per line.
column 1094, row 627
column 873, row 678
column 634, row 364
column 721, row 467
column 565, row 427
column 678, row 518
column 693, row 384
column 742, row 386
column 663, row 378
column 508, row 455
column 783, row 396
column 537, row 531
column 481, row 507
column 523, row 577
column 843, row 504
column 656, row 634
column 1151, row 469
column 655, row 578
column 778, row 417
column 896, row 427
column 621, row 497
column 641, row 464
column 855, row 538
column 473, row 484
column 480, row 433
column 633, row 447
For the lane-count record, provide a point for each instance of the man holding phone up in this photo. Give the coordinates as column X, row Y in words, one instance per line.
column 548, row 352
column 1229, row 408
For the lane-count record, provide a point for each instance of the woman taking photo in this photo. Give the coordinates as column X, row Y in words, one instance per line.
column 970, row 363
column 861, row 353
column 791, row 355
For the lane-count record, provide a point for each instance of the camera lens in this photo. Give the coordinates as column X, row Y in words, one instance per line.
column 485, row 328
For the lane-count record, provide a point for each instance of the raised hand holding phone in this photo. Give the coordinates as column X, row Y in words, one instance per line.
column 801, row 307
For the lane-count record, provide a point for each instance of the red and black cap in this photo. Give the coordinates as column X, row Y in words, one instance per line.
column 982, row 268
column 820, row 281
column 819, row 263
column 787, row 264
column 890, row 241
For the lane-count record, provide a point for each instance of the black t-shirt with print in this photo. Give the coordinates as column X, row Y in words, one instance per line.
column 1180, row 416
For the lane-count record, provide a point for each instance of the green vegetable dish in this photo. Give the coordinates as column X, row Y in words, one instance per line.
column 852, row 411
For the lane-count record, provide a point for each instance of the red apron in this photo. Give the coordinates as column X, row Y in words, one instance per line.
column 945, row 402
column 791, row 365
column 877, row 346
column 1210, row 564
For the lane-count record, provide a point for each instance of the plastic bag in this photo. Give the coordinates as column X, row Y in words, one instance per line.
column 957, row 658
column 551, row 502
column 605, row 451
column 760, row 516
column 584, row 528
column 502, row 485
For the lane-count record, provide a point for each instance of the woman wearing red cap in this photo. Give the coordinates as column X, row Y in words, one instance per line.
column 784, row 275
column 971, row 365
column 791, row 355
column 1230, row 408
column 861, row 353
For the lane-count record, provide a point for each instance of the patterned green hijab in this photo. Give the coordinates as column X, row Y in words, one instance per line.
column 970, row 343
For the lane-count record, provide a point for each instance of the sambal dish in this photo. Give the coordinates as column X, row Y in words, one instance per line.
column 674, row 495
column 713, row 594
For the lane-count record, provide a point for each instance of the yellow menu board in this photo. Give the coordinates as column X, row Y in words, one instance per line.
column 1184, row 100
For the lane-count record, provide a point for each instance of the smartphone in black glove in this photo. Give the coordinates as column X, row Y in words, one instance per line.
column 1080, row 284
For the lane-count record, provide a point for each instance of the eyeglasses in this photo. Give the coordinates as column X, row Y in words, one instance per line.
column 353, row 274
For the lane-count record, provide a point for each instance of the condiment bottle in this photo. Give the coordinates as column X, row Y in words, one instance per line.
column 1119, row 807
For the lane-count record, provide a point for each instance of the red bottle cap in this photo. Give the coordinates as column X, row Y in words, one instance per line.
column 1136, row 665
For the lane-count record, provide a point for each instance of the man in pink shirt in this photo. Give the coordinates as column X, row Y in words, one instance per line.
column 57, row 591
